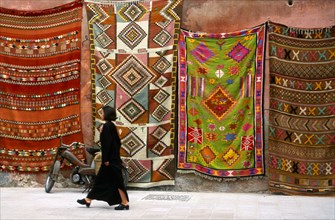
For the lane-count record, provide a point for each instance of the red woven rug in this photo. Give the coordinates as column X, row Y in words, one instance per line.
column 39, row 85
column 302, row 110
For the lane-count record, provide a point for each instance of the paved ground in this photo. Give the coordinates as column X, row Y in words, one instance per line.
column 34, row 203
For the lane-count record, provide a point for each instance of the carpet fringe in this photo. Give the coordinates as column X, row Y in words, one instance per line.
column 220, row 179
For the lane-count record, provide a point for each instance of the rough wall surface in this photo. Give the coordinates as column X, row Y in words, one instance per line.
column 214, row 16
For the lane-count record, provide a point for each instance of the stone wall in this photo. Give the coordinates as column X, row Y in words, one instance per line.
column 215, row 16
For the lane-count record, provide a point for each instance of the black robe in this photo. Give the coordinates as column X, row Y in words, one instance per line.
column 109, row 178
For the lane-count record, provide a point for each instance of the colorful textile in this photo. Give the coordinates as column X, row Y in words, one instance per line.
column 220, row 121
column 39, row 85
column 302, row 110
column 133, row 69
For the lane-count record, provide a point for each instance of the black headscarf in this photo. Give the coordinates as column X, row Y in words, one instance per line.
column 109, row 113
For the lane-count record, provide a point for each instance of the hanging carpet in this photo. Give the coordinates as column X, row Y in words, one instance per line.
column 133, row 69
column 302, row 110
column 39, row 85
column 220, row 121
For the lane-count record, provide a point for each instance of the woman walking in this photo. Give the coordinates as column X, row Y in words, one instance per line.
column 109, row 185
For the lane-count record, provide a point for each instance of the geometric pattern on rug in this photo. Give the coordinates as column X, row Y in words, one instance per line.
column 302, row 110
column 216, row 106
column 139, row 171
column 132, row 110
column 239, row 52
column 162, row 38
column 39, row 85
column 220, row 123
column 133, row 12
column 159, row 136
column 132, row 75
column 132, row 144
column 132, row 35
column 166, row 169
column 162, row 65
column 133, row 57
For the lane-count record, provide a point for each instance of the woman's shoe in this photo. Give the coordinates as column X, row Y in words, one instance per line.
column 122, row 207
column 83, row 202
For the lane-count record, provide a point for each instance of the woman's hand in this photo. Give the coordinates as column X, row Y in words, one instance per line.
column 106, row 163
